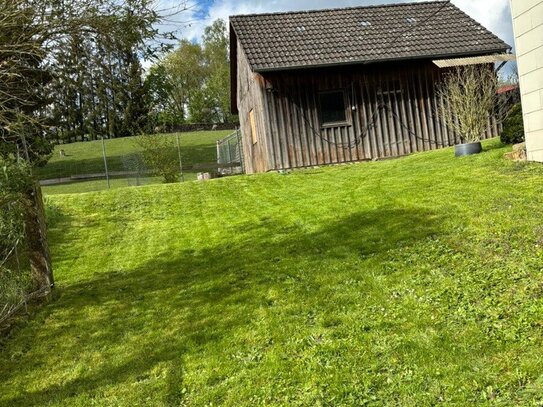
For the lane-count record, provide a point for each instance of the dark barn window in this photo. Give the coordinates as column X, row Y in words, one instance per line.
column 333, row 108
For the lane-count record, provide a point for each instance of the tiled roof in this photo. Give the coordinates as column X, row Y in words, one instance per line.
column 361, row 34
column 506, row 88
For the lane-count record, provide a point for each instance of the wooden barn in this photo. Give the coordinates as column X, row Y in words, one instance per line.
column 343, row 85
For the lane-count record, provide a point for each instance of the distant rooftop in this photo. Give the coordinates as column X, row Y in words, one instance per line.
column 437, row 29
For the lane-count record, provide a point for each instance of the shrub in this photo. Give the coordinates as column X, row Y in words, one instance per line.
column 14, row 278
column 14, row 180
column 513, row 126
column 469, row 97
column 160, row 156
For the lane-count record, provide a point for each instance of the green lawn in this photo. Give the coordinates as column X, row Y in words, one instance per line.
column 410, row 282
column 101, row 184
column 86, row 158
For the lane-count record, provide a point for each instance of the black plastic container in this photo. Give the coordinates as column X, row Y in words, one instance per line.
column 461, row 150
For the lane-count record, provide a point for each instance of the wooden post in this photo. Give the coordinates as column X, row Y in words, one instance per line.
column 36, row 240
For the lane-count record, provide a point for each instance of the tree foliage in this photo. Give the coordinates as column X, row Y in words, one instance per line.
column 23, row 79
column 192, row 83
column 72, row 69
column 14, row 280
column 98, row 88
column 513, row 126
column 217, row 52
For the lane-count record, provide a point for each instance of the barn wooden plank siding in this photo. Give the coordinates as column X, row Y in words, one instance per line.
column 282, row 64
column 393, row 112
column 250, row 94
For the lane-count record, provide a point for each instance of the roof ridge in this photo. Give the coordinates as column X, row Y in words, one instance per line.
column 279, row 13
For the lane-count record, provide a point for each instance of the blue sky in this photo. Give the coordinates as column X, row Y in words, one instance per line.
column 493, row 14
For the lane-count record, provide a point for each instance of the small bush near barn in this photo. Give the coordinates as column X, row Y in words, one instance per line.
column 513, row 126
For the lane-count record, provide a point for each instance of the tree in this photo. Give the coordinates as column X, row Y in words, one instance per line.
column 217, row 54
column 163, row 108
column 186, row 74
column 98, row 85
column 71, row 66
column 194, row 79
column 22, row 82
column 469, row 99
column 136, row 99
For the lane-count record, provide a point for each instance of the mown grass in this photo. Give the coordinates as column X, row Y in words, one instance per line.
column 87, row 158
column 412, row 282
column 77, row 187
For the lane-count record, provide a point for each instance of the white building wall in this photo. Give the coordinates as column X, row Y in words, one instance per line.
column 528, row 27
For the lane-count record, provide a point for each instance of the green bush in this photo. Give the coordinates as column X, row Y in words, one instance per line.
column 14, row 180
column 14, row 276
column 160, row 156
column 513, row 126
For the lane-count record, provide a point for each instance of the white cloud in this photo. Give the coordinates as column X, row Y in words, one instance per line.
column 493, row 14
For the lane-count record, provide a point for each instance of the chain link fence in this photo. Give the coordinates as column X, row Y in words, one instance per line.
column 230, row 154
column 135, row 161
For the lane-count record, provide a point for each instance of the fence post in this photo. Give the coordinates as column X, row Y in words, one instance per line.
column 229, row 152
column 105, row 161
column 219, row 155
column 240, row 150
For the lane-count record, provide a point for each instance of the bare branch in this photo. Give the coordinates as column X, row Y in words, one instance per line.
column 469, row 98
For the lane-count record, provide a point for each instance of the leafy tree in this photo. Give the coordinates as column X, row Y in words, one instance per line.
column 194, row 79
column 136, row 99
column 216, row 51
column 186, row 74
column 98, row 86
column 22, row 82
column 163, row 109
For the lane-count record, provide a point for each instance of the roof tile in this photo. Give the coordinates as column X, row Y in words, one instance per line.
column 361, row 34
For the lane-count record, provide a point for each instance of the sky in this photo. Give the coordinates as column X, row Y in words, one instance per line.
column 493, row 14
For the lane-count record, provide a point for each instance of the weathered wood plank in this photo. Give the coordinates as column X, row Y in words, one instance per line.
column 292, row 134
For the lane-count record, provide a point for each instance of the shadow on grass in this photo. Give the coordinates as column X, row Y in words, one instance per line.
column 158, row 313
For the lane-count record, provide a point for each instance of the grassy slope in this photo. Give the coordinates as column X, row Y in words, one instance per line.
column 86, row 157
column 411, row 282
